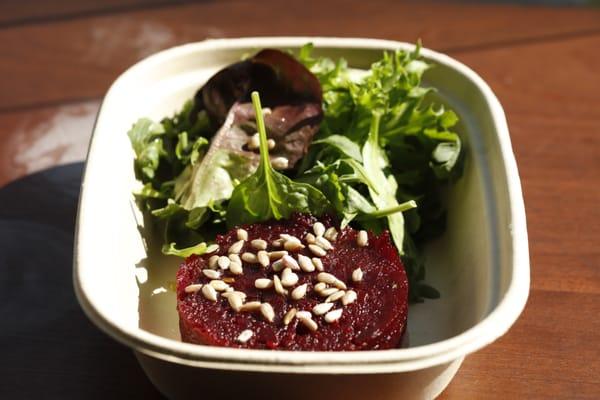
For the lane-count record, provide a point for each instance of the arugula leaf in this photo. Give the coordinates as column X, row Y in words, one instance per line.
column 268, row 194
column 375, row 161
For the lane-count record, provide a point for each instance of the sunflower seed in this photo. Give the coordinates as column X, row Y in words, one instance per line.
column 340, row 284
column 318, row 264
column 259, row 244
column 278, row 265
column 218, row 285
column 331, row 234
column 212, row 261
column 271, row 144
column 236, row 268
column 319, row 228
column 335, row 297
column 245, row 336
column 309, row 323
column 328, row 292
column 320, row 286
column 289, row 316
column 249, row 258
column 293, row 244
column 310, row 238
column 286, row 236
column 322, row 308
column 211, row 273
column 349, row 297
column 235, row 258
column 305, row 263
column 288, row 278
column 362, row 239
column 227, row 294
column 267, row 311
column 289, row 262
column 326, row 277
column 299, row 292
column 212, row 248
column 263, row 258
column 280, row 162
column 193, row 288
column 317, row 250
column 242, row 234
column 250, row 306
column 236, row 247
column 278, row 286
column 263, row 283
column 323, row 243
column 357, row 275
column 277, row 243
column 235, row 301
column 333, row 316
column 253, row 142
column 209, row 292
column 303, row 314
column 223, row 262
column 276, row 255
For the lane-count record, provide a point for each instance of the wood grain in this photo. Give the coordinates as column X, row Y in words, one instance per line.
column 541, row 62
column 70, row 60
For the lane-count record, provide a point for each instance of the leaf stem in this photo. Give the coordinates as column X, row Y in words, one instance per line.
column 262, row 131
column 409, row 205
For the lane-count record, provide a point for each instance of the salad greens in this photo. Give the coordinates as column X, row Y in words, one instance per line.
column 381, row 156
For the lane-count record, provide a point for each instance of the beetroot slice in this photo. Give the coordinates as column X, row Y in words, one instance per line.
column 376, row 320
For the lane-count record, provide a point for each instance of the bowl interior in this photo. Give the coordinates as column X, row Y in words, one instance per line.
column 129, row 279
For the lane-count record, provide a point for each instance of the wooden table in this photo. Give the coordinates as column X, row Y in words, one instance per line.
column 58, row 58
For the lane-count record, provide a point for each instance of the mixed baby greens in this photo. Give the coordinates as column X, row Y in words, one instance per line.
column 370, row 148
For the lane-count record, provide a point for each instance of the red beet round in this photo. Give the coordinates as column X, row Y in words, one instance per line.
column 376, row 320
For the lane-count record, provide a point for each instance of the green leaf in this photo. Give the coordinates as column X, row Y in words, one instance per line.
column 199, row 249
column 343, row 144
column 375, row 161
column 268, row 194
column 145, row 137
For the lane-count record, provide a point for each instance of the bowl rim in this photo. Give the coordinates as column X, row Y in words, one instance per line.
column 494, row 325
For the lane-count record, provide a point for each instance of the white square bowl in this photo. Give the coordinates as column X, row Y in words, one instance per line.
column 480, row 265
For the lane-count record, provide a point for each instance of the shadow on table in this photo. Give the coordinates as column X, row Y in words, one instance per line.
column 48, row 348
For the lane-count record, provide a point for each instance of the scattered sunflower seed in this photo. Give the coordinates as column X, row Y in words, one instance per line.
column 212, row 261
column 250, row 306
column 357, row 275
column 335, row 296
column 289, row 262
column 211, row 273
column 235, row 301
column 253, row 142
column 349, row 297
column 263, row 258
column 305, row 263
column 242, row 234
column 328, row 292
column 259, row 244
column 318, row 264
column 310, row 238
column 223, row 262
column 267, row 311
column 323, row 243
column 235, row 258
column 288, row 278
column 333, row 316
column 309, row 323
column 263, row 283
column 249, row 258
column 276, row 255
column 218, row 285
column 193, row 288
column 278, row 265
column 362, row 239
column 289, row 316
column 271, row 144
column 212, row 248
column 320, row 286
column 209, row 293
column 322, row 308
column 317, row 250
column 319, row 229
column 331, row 234
column 293, row 244
column 236, row 247
column 278, row 286
column 280, row 162
column 245, row 336
column 236, row 268
column 299, row 292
